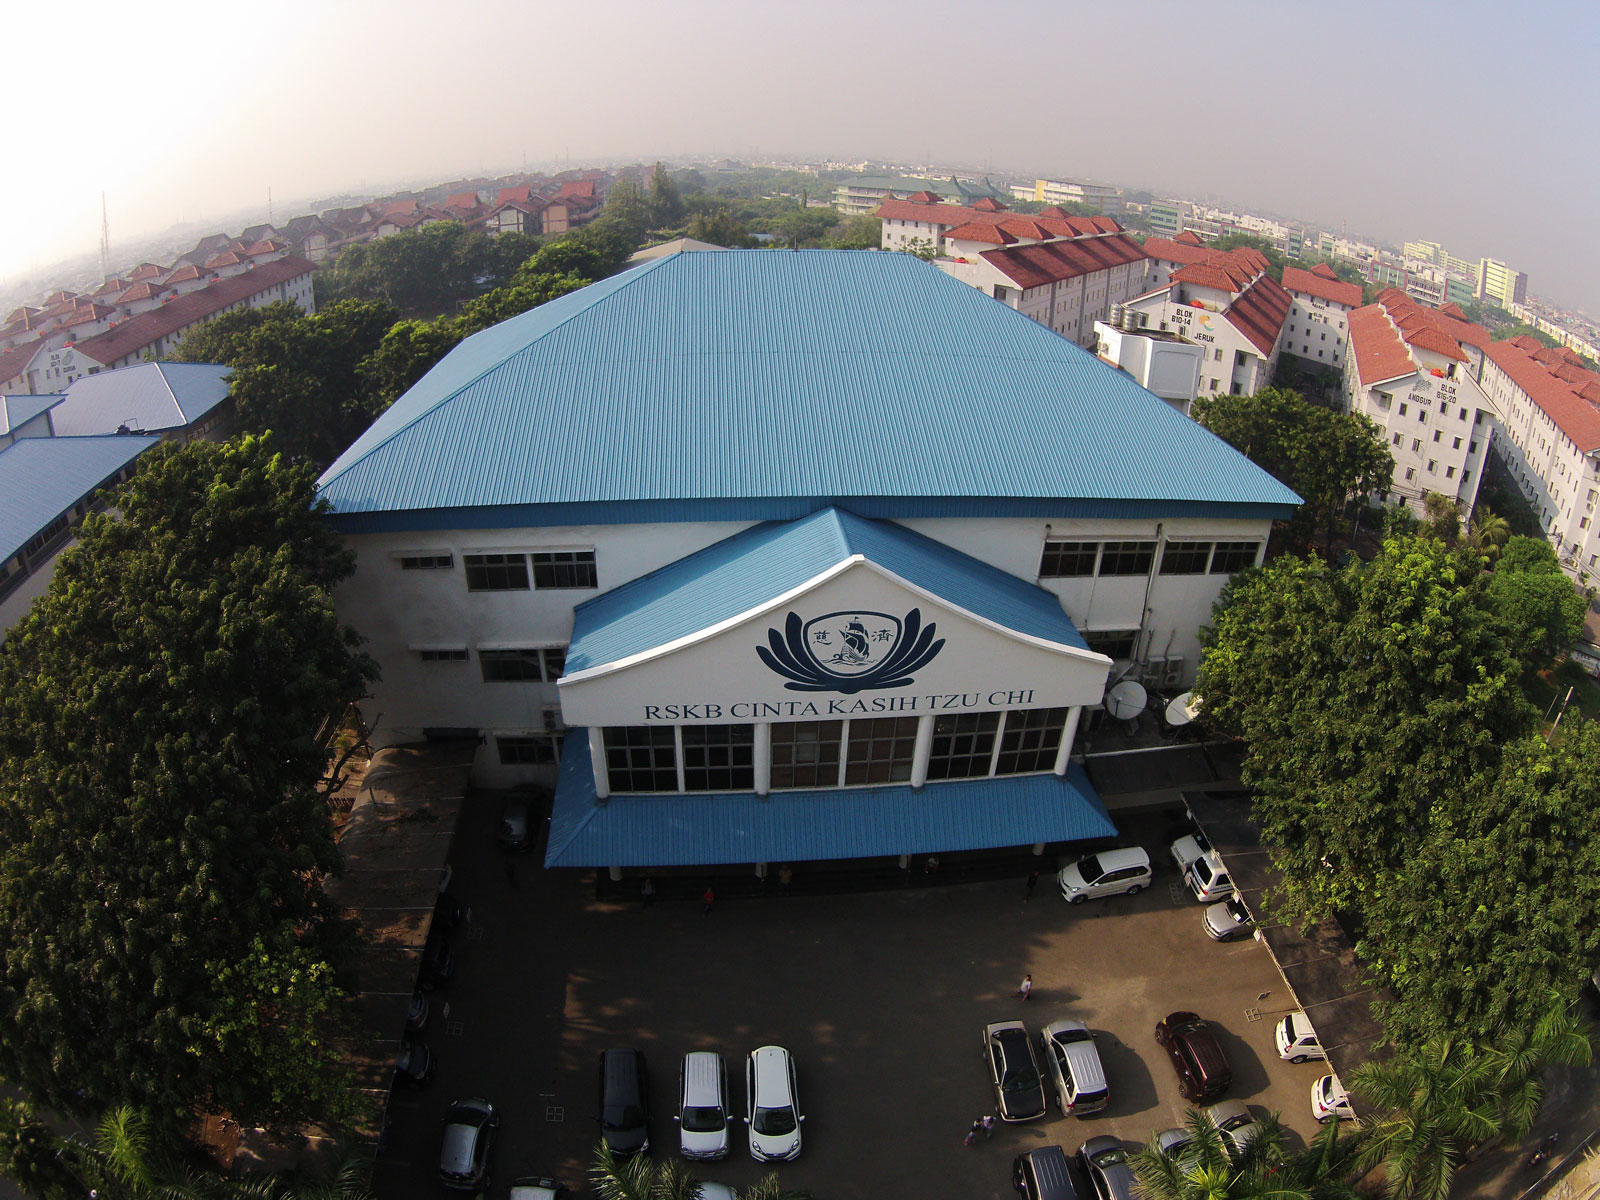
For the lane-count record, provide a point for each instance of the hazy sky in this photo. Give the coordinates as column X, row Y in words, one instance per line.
column 1470, row 124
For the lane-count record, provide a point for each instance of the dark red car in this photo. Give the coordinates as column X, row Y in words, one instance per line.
column 1203, row 1070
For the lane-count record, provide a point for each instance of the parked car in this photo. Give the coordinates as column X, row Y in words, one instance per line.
column 1173, row 1143
column 1043, row 1174
column 417, row 1013
column 538, row 1187
column 702, row 1116
column 1330, row 1100
column 1013, row 1071
column 624, row 1102
column 1125, row 870
column 772, row 1104
column 1188, row 848
column 516, row 825
column 448, row 914
column 1296, row 1040
column 716, row 1191
column 1197, row 1057
column 1207, row 879
column 438, row 963
column 1105, row 1162
column 1228, row 920
column 1234, row 1122
column 414, row 1063
column 469, row 1127
column 1073, row 1062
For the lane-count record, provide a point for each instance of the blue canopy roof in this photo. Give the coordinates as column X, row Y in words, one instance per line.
column 749, row 377
column 802, row 826
column 760, row 564
column 143, row 398
column 41, row 478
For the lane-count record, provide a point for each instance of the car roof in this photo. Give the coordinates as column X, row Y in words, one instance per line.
column 1100, row 1142
column 702, row 1074
column 1226, row 1110
column 771, row 1068
column 1119, row 857
column 995, row 1027
column 459, row 1139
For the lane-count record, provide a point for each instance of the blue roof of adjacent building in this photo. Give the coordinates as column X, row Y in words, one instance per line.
column 144, row 398
column 736, row 379
column 804, row 826
column 756, row 566
column 17, row 411
column 41, row 478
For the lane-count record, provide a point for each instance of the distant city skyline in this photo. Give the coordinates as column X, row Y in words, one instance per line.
column 1452, row 124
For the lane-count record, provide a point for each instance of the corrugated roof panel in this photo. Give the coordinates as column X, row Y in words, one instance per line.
column 749, row 374
column 17, row 411
column 41, row 478
column 805, row 826
column 753, row 567
column 146, row 397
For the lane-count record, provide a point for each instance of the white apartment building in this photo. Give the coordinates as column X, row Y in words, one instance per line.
column 1229, row 306
column 921, row 221
column 1105, row 198
column 1414, row 371
column 1167, row 255
column 1319, row 321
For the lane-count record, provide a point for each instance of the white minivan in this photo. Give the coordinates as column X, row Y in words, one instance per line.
column 1297, row 1041
column 1122, row 871
column 703, row 1106
column 1207, row 879
column 773, row 1108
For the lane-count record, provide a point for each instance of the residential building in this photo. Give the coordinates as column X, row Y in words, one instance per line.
column 1098, row 196
column 1166, row 255
column 47, row 486
column 802, row 556
column 1548, row 403
column 1158, row 361
column 1499, row 284
column 1165, row 217
column 857, row 197
column 182, row 402
column 1227, row 304
column 1415, row 371
column 1431, row 253
column 1319, row 321
column 920, row 221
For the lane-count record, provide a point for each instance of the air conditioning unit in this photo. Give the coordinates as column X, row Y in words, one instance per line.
column 552, row 720
column 1153, row 673
column 1174, row 673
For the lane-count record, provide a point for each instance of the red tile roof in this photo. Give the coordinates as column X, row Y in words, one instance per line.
column 20, row 314
column 111, row 287
column 1379, row 353
column 182, row 274
column 1064, row 258
column 1324, row 287
column 1453, row 309
column 1566, row 405
column 982, row 231
column 462, row 200
column 1260, row 312
column 923, row 198
column 933, row 214
column 507, row 195
column 266, row 246
column 1526, row 341
column 1190, row 238
column 1428, row 338
column 145, row 271
column 989, row 204
column 1411, row 316
column 227, row 258
column 577, row 189
column 1168, row 250
column 136, row 333
column 88, row 316
column 59, row 298
column 148, row 290
column 14, row 361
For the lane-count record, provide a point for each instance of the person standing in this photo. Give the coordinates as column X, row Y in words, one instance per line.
column 647, row 892
column 1026, row 990
column 785, row 878
column 988, row 1126
column 972, row 1133
column 708, row 900
column 1033, row 882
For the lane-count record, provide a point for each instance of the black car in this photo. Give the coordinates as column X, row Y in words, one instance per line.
column 438, row 963
column 448, row 914
column 516, row 824
column 1013, row 1071
column 469, row 1127
column 1197, row 1057
column 414, row 1063
column 624, row 1102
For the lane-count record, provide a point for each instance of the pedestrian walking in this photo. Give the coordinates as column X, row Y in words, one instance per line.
column 1033, row 882
column 785, row 878
column 708, row 900
column 647, row 892
column 988, row 1126
column 1026, row 990
column 972, row 1134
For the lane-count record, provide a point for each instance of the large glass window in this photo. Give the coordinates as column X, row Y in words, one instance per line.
column 564, row 569
column 531, row 751
column 1185, row 558
column 1113, row 643
column 1233, row 556
column 496, row 572
column 805, row 754
column 1066, row 560
column 963, row 744
column 641, row 758
column 1030, row 741
column 719, row 758
column 427, row 562
column 881, row 750
column 521, row 665
column 1127, row 558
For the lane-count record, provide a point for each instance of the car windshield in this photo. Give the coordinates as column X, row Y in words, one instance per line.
column 1070, row 1035
column 1090, row 868
column 774, row 1122
column 626, row 1116
column 1200, row 840
column 1202, row 870
column 703, row 1120
column 1238, row 911
column 1110, row 1158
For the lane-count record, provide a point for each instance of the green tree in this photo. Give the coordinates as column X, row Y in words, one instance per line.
column 427, row 271
column 641, row 1178
column 527, row 291
column 666, row 202
column 628, row 211
column 1488, row 532
column 717, row 223
column 1443, row 518
column 162, row 815
column 864, row 232
column 30, row 1155
column 407, row 352
column 1206, row 1169
column 1523, row 329
column 1540, row 612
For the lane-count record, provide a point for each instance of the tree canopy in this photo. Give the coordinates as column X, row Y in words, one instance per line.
column 427, row 271
column 162, row 834
column 1540, row 612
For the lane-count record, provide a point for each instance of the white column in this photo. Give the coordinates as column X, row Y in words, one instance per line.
column 923, row 748
column 763, row 753
column 677, row 751
column 1064, row 751
column 844, row 750
column 597, row 762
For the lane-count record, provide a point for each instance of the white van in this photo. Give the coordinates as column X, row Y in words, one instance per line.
column 1123, row 871
column 702, row 1106
column 1297, row 1041
column 1207, row 879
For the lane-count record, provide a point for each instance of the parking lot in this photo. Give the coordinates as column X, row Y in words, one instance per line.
column 881, row 997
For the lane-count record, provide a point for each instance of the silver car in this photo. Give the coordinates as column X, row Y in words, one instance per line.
column 1073, row 1063
column 1106, row 1163
column 1228, row 920
column 1234, row 1122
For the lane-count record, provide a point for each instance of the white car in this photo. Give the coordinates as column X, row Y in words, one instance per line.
column 1228, row 920
column 702, row 1115
column 1296, row 1040
column 772, row 1105
column 1329, row 1100
column 1188, row 848
column 1237, row 1126
column 537, row 1187
column 1207, row 879
column 1123, row 871
column 716, row 1191
column 1073, row 1061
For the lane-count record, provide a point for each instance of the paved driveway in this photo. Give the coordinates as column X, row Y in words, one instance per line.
column 881, row 997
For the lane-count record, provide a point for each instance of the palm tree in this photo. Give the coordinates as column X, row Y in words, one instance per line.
column 1488, row 533
column 1205, row 1170
column 638, row 1178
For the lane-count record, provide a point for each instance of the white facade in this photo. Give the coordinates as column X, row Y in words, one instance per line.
column 1231, row 362
column 1069, row 306
column 1163, row 363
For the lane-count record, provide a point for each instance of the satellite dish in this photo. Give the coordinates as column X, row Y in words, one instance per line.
column 1126, row 700
column 1183, row 709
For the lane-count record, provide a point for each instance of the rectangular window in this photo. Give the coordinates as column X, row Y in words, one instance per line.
column 1449, row 472
column 532, row 751
column 963, row 744
column 1113, row 643
column 1431, row 465
column 496, row 572
column 564, row 569
column 1397, row 439
column 719, row 758
column 1411, row 473
column 454, row 654
column 1472, row 447
column 1233, row 556
column 1416, row 445
column 1185, row 558
column 1127, row 558
column 805, row 754
column 427, row 562
column 1402, row 410
column 1455, row 444
column 1068, row 560
column 522, row 665
column 1462, row 416
column 641, row 758
column 1436, row 435
column 1030, row 741
column 881, row 750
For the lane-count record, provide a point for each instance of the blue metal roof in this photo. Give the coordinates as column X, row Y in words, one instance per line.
column 41, row 478
column 753, row 567
column 143, row 398
column 17, row 411
column 740, row 827
column 749, row 374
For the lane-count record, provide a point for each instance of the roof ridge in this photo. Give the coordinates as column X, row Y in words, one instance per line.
column 642, row 269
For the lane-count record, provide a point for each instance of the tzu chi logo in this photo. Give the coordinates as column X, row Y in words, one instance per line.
column 850, row 652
